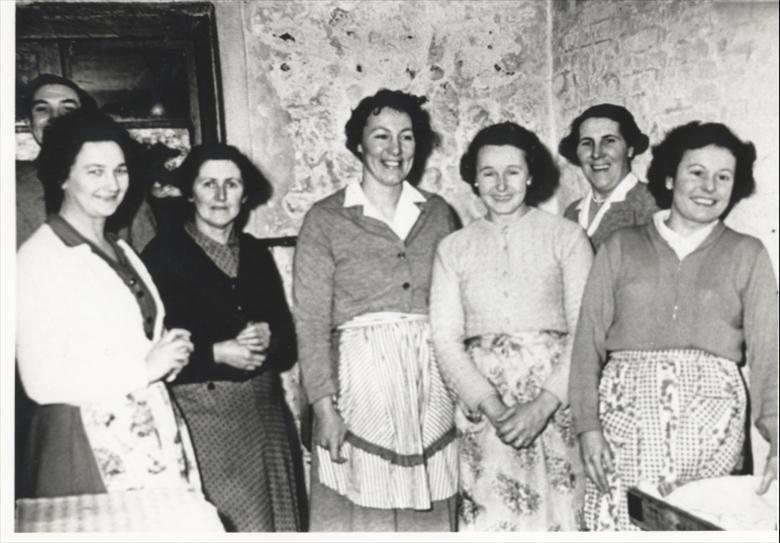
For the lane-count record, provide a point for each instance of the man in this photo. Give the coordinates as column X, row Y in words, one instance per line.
column 47, row 97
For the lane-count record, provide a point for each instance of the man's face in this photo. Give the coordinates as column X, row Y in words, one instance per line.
column 49, row 102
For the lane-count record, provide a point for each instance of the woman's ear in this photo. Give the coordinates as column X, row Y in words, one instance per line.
column 630, row 153
column 669, row 184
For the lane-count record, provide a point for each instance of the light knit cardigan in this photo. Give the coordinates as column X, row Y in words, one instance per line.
column 79, row 334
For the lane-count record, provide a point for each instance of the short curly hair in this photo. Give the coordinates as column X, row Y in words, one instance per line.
column 425, row 138
column 668, row 154
column 541, row 166
column 63, row 139
column 257, row 188
column 628, row 129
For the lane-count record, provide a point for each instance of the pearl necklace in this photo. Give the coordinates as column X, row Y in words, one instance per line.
column 598, row 200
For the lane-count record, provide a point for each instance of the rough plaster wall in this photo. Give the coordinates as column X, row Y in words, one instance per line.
column 670, row 63
column 309, row 63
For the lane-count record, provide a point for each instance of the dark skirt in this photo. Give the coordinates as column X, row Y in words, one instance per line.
column 58, row 459
column 247, row 451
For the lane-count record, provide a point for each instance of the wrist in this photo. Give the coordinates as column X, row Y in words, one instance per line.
column 325, row 406
column 492, row 407
column 548, row 402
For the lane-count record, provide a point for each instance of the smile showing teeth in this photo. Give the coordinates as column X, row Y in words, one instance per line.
column 704, row 201
column 600, row 167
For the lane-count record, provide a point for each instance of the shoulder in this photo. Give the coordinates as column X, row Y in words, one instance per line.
column 459, row 241
column 628, row 239
column 744, row 245
column 326, row 210
column 166, row 244
column 641, row 198
column 43, row 243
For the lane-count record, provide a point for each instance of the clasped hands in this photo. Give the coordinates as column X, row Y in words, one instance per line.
column 519, row 425
column 247, row 351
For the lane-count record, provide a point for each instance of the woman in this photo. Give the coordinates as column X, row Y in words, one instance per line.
column 655, row 388
column 385, row 456
column 90, row 342
column 224, row 287
column 603, row 141
column 504, row 304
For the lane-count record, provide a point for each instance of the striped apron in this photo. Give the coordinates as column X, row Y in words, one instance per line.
column 400, row 447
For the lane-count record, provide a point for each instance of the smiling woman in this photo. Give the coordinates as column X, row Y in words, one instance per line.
column 603, row 141
column 670, row 310
column 505, row 296
column 90, row 342
column 362, row 268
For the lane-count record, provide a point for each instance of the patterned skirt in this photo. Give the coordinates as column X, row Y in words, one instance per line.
column 670, row 417
column 400, row 446
column 248, row 452
column 137, row 441
column 536, row 488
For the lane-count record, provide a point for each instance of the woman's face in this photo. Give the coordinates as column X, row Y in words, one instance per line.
column 702, row 187
column 605, row 157
column 97, row 181
column 502, row 178
column 387, row 147
column 217, row 192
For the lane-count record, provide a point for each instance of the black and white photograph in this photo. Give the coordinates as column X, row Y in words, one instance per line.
column 387, row 270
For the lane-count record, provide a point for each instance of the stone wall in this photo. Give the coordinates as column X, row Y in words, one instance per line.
column 307, row 64
column 669, row 63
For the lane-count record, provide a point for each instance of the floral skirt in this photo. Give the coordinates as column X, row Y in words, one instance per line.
column 140, row 441
column 137, row 441
column 400, row 445
column 670, row 417
column 536, row 488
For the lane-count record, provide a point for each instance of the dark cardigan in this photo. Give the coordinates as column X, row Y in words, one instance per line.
column 214, row 307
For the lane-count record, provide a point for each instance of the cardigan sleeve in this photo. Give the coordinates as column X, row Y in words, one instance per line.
column 63, row 354
column 448, row 330
column 589, row 348
column 760, row 306
column 575, row 262
column 313, row 276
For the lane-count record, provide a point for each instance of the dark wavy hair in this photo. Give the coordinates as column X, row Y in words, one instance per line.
column 424, row 137
column 87, row 102
column 257, row 189
column 628, row 129
column 541, row 166
column 63, row 139
column 668, row 154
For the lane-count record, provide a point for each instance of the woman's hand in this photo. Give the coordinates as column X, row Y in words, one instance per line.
column 169, row 355
column 330, row 429
column 234, row 354
column 770, row 474
column 597, row 457
column 256, row 336
column 519, row 425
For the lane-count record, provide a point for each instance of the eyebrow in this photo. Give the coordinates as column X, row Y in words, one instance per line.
column 63, row 101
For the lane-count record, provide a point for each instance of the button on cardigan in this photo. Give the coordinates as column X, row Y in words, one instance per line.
column 347, row 264
column 721, row 298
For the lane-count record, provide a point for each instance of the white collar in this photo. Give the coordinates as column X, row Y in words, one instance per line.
column 680, row 244
column 406, row 211
column 618, row 194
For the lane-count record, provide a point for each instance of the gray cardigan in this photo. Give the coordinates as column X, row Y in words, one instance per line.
column 347, row 264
